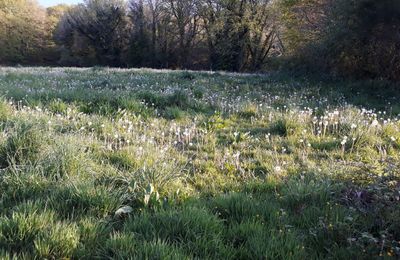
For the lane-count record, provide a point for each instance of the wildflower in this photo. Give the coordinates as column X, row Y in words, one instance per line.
column 353, row 126
column 393, row 138
column 375, row 123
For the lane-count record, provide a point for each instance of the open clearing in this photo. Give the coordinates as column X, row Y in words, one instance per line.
column 145, row 164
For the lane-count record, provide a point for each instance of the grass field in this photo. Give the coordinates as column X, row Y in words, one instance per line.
column 144, row 164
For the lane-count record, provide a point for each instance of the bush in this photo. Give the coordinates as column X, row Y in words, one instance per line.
column 351, row 38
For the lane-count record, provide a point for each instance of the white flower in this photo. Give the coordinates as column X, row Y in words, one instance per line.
column 353, row 126
column 393, row 138
column 278, row 168
column 375, row 123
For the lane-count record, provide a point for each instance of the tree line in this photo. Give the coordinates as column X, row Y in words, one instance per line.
column 346, row 37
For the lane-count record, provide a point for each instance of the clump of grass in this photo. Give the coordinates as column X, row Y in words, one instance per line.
column 279, row 127
column 93, row 235
column 85, row 198
column 250, row 111
column 65, row 160
column 5, row 111
column 198, row 93
column 125, row 245
column 60, row 241
column 122, row 159
column 151, row 98
column 179, row 98
column 23, row 146
column 186, row 75
column 174, row 113
column 58, row 106
column 31, row 230
column 28, row 183
column 195, row 230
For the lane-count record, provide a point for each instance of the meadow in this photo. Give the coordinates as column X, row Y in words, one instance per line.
column 156, row 164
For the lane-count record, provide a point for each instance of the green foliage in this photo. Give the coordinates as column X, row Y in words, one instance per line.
column 373, row 49
column 100, row 24
column 23, row 33
column 349, row 38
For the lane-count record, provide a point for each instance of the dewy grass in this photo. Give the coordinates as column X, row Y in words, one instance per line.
column 199, row 166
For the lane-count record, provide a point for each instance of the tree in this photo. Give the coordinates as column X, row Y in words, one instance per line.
column 102, row 24
column 22, row 32
column 241, row 34
column 358, row 38
column 53, row 16
column 263, row 33
column 184, row 25
column 211, row 13
column 365, row 39
column 140, row 46
column 305, row 22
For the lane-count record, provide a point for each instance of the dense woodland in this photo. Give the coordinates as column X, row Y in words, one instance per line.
column 358, row 38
